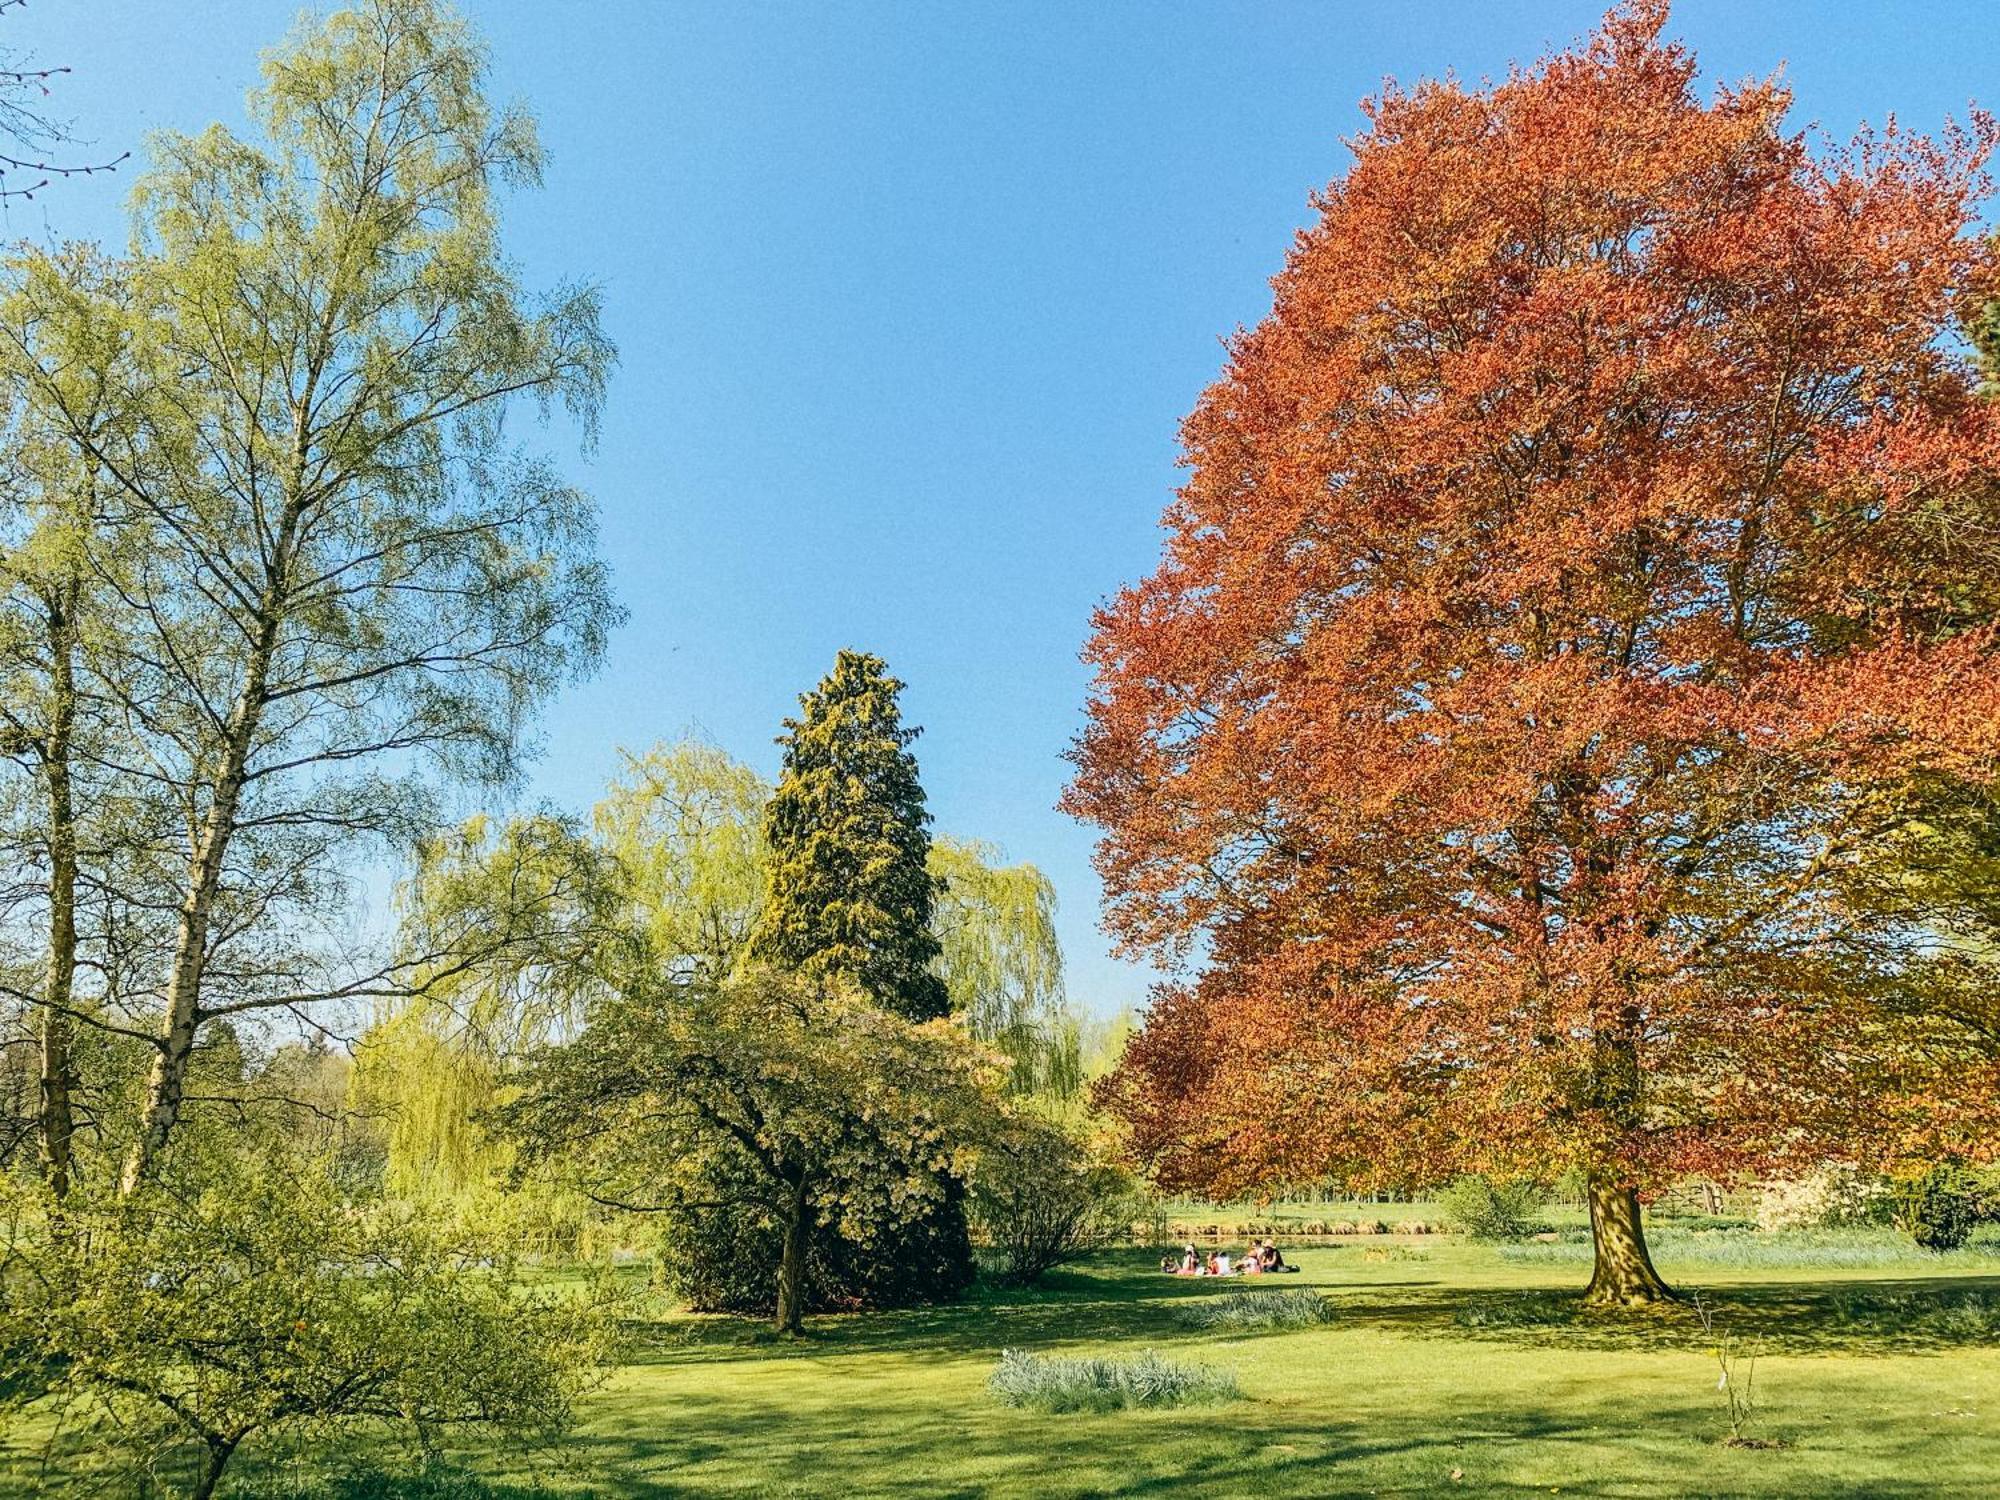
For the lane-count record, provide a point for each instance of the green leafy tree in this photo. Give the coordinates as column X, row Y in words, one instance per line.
column 1002, row 964
column 685, row 824
column 794, row 1101
column 352, row 587
column 520, row 925
column 850, row 887
column 234, row 1296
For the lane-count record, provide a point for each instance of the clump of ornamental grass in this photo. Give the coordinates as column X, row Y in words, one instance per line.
column 1242, row 1309
column 1061, row 1384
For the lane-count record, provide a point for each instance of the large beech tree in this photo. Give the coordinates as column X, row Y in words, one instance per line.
column 1586, row 577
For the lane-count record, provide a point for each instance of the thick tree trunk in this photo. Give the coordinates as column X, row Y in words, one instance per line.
column 57, row 1120
column 1623, row 1275
column 792, row 1264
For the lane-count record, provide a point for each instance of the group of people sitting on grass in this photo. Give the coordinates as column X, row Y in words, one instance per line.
column 1262, row 1257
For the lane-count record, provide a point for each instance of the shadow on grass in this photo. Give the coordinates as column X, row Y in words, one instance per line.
column 1118, row 1295
column 734, row 1444
column 1904, row 1316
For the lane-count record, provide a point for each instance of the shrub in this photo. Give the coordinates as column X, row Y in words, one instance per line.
column 1836, row 1196
column 1056, row 1384
column 1939, row 1207
column 1488, row 1210
column 240, row 1298
column 1246, row 1308
column 1039, row 1201
column 725, row 1259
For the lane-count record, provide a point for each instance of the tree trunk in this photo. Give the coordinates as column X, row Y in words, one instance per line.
column 57, row 1120
column 214, row 1461
column 1623, row 1275
column 792, row 1265
column 167, row 1079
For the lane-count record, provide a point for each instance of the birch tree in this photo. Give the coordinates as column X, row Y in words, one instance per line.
column 357, row 587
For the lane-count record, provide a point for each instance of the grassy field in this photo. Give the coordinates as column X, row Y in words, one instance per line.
column 1448, row 1368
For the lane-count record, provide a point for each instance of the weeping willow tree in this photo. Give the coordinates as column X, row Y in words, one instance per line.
column 685, row 824
column 526, row 911
column 1000, row 959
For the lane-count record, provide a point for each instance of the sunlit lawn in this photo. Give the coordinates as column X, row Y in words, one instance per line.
column 1451, row 1367
column 1867, row 1391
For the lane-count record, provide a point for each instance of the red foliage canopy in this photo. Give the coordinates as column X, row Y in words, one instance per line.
column 1562, row 727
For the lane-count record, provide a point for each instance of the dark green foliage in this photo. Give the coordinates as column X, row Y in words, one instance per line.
column 850, row 890
column 726, row 1260
column 1489, row 1210
column 850, row 893
column 1939, row 1207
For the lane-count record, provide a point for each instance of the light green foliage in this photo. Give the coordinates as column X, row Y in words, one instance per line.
column 348, row 584
column 509, row 930
column 1039, row 1200
column 850, row 889
column 237, row 1298
column 1243, row 1309
column 1834, row 1196
column 1489, row 1210
column 685, row 823
column 1002, row 964
column 1060, row 1384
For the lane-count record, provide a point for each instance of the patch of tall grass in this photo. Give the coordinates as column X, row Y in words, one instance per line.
column 1792, row 1249
column 1243, row 1309
column 1061, row 1384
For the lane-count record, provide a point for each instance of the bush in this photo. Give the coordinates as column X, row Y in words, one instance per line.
column 1246, row 1308
column 1039, row 1201
column 1830, row 1197
column 1478, row 1206
column 1060, row 1385
column 1939, row 1207
column 240, row 1298
column 726, row 1259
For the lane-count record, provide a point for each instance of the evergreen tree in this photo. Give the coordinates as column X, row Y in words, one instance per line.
column 850, row 889
column 849, row 894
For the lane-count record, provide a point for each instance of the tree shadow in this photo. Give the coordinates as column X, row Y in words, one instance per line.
column 1910, row 1315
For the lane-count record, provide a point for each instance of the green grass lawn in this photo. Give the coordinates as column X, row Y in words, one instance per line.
column 1448, row 1368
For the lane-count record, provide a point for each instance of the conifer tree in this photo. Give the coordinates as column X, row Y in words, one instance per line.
column 850, row 889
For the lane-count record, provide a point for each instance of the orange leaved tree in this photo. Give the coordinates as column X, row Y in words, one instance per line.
column 1581, row 604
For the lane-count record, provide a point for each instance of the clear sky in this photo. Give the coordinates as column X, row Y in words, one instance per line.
column 911, row 299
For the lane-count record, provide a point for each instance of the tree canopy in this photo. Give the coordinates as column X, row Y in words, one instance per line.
column 1581, row 573
column 850, row 888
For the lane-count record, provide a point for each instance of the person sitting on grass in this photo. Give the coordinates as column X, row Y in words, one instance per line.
column 1270, row 1257
column 1253, row 1263
column 1190, row 1262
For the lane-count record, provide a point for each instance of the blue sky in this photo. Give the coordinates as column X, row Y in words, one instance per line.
column 911, row 299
